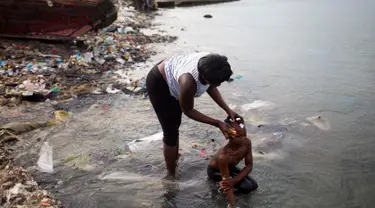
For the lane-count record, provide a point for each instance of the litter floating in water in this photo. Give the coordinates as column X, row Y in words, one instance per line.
column 62, row 116
column 278, row 134
column 257, row 104
column 141, row 144
column 203, row 153
column 45, row 161
column 238, row 77
column 320, row 122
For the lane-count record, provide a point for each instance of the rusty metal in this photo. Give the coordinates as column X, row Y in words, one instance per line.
column 54, row 19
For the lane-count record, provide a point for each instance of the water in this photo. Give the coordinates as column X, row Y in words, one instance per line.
column 309, row 58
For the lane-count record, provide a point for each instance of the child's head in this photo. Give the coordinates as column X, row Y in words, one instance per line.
column 238, row 125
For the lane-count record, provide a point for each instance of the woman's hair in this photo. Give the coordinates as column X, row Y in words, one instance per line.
column 215, row 68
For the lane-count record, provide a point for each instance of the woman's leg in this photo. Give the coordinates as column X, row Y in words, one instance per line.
column 169, row 113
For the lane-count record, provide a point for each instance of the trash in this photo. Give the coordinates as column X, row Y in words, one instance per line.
column 17, row 189
column 106, row 107
column 278, row 134
column 120, row 60
column 45, row 161
column 55, row 90
column 43, row 204
column 207, row 16
column 41, row 71
column 238, row 77
column 97, row 91
column 143, row 143
column 203, row 153
column 126, row 30
column 112, row 91
column 62, row 116
column 320, row 122
column 257, row 104
column 27, row 93
column 112, row 28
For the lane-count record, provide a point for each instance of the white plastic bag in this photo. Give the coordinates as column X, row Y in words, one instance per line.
column 145, row 143
column 45, row 162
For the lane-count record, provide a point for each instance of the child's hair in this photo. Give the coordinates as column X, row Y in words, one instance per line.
column 238, row 120
column 237, row 126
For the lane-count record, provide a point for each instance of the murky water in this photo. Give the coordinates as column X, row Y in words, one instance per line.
column 308, row 58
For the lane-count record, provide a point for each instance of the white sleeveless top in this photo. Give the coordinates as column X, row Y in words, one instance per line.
column 178, row 65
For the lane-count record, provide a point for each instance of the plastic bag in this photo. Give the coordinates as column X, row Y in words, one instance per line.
column 45, row 161
column 142, row 144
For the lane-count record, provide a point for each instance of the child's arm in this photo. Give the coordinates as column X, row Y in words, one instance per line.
column 247, row 169
column 224, row 170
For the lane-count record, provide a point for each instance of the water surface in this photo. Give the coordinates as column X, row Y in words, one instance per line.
column 308, row 57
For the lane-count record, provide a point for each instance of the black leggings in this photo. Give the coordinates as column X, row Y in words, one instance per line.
column 166, row 107
column 245, row 186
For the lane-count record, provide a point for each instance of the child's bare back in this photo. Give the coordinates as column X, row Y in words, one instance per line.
column 234, row 154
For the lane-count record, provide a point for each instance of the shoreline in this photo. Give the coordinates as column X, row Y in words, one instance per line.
column 18, row 187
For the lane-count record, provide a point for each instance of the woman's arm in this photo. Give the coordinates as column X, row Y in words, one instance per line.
column 188, row 89
column 216, row 96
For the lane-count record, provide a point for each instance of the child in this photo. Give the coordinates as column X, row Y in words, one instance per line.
column 222, row 167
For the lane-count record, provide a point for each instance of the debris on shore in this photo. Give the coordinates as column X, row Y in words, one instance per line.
column 36, row 71
column 18, row 189
column 54, row 73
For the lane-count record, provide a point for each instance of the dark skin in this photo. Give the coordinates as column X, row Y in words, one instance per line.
column 188, row 89
column 238, row 148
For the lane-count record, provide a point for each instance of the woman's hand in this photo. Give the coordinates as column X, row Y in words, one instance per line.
column 223, row 128
column 233, row 115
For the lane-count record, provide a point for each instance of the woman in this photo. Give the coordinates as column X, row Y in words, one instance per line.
column 172, row 86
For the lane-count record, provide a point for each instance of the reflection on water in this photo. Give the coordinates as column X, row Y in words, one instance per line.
column 309, row 58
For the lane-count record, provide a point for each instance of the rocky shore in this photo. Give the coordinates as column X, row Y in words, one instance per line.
column 37, row 79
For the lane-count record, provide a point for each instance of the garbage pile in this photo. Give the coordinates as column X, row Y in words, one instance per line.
column 36, row 71
column 18, row 189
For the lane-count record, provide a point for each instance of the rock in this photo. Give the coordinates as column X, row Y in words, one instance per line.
column 207, row 16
